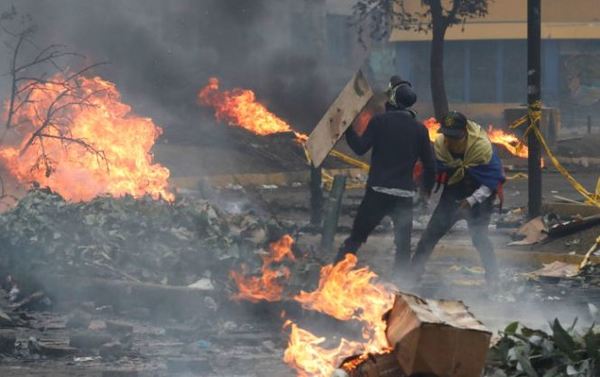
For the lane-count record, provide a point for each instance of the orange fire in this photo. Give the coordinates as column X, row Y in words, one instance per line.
column 432, row 126
column 363, row 121
column 497, row 136
column 509, row 141
column 266, row 287
column 345, row 293
column 239, row 107
column 122, row 163
column 305, row 353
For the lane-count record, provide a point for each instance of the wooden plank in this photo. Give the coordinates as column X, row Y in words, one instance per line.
column 509, row 257
column 353, row 98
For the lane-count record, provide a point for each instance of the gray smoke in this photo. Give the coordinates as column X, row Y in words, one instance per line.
column 160, row 53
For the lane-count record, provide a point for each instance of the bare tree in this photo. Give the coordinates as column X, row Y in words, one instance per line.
column 379, row 17
column 37, row 73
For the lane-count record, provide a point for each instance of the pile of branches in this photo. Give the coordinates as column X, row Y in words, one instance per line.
column 525, row 352
column 141, row 240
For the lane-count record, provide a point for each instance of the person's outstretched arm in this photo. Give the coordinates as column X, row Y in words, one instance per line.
column 361, row 144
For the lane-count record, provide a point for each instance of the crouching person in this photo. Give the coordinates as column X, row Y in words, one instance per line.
column 471, row 174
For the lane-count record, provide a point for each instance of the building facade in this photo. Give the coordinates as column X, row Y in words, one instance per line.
column 486, row 59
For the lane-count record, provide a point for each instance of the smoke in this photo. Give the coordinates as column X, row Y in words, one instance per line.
column 161, row 52
column 516, row 299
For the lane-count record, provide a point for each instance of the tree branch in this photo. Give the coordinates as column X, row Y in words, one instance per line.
column 63, row 90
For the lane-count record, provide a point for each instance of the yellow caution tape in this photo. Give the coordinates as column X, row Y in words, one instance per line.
column 340, row 155
column 517, row 176
column 350, row 160
column 328, row 178
column 533, row 117
column 328, row 182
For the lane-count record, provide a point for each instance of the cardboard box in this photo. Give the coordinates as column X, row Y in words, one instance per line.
column 382, row 365
column 437, row 337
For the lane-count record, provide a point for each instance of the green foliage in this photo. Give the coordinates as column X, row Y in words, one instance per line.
column 525, row 352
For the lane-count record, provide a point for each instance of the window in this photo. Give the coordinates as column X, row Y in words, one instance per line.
column 514, row 71
column 483, row 71
column 454, row 71
column 420, row 70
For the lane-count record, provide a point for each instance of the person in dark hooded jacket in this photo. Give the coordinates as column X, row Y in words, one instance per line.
column 397, row 140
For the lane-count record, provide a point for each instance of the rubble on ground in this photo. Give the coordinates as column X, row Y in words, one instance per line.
column 554, row 231
column 99, row 342
column 140, row 240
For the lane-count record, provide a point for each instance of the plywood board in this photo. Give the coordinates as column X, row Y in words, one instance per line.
column 340, row 115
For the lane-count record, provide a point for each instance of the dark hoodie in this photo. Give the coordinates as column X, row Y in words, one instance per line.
column 398, row 141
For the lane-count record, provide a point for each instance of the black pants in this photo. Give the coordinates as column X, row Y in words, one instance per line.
column 373, row 208
column 445, row 215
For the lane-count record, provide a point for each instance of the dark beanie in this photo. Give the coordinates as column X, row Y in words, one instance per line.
column 397, row 80
column 405, row 96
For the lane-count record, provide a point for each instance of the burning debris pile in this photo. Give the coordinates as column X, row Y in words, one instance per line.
column 142, row 240
column 418, row 337
column 89, row 142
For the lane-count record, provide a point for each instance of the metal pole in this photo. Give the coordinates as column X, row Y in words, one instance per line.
column 316, row 196
column 534, row 94
column 589, row 124
column 334, row 205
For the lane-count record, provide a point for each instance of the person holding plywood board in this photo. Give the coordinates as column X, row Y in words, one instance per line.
column 397, row 140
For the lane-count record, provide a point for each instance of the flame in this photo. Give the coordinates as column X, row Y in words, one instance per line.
column 345, row 293
column 509, row 141
column 362, row 121
column 106, row 124
column 432, row 126
column 497, row 136
column 268, row 286
column 239, row 107
column 305, row 353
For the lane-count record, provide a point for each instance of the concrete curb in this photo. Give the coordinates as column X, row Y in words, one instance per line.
column 510, row 256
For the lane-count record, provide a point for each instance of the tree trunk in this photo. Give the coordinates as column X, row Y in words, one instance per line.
column 438, row 88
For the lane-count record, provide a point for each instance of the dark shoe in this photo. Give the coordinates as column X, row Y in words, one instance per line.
column 492, row 278
column 402, row 266
column 404, row 278
column 348, row 247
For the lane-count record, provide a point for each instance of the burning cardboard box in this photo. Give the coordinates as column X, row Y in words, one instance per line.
column 381, row 365
column 426, row 338
column 440, row 338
